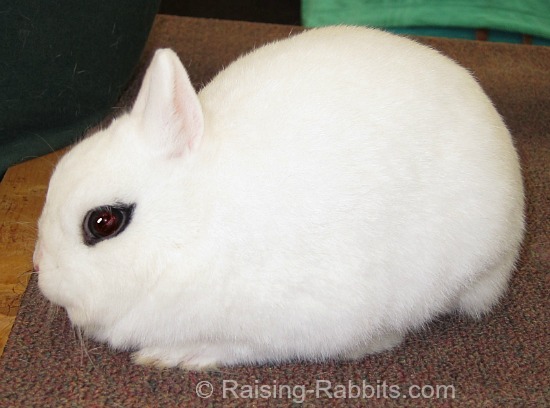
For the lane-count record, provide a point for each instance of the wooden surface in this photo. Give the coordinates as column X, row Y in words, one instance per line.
column 22, row 193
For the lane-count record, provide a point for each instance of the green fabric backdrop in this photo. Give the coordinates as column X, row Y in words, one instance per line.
column 63, row 64
column 437, row 17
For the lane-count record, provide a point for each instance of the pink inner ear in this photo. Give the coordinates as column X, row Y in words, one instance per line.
column 187, row 111
column 168, row 106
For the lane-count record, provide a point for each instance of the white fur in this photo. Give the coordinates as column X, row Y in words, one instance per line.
column 322, row 196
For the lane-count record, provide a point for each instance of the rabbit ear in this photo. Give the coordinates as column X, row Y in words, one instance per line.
column 168, row 105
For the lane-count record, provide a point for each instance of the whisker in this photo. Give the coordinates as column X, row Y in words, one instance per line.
column 46, row 143
column 23, row 280
column 78, row 336
column 52, row 312
column 77, row 332
column 27, row 224
column 44, row 158
column 28, row 272
column 83, row 347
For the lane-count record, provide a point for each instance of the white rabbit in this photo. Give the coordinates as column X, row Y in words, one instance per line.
column 322, row 196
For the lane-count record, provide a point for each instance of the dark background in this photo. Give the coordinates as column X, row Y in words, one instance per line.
column 266, row 11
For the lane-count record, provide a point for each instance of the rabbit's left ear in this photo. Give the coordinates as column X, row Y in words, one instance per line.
column 168, row 107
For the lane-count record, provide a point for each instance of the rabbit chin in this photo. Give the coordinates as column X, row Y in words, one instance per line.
column 98, row 330
column 79, row 318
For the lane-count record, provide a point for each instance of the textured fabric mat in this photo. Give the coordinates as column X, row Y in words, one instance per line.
column 499, row 361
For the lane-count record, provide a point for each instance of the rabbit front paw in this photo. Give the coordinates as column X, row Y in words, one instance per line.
column 197, row 358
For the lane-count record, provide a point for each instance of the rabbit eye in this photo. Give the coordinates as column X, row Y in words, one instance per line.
column 106, row 222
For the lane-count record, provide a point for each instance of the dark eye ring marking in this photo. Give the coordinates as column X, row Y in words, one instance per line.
column 106, row 222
